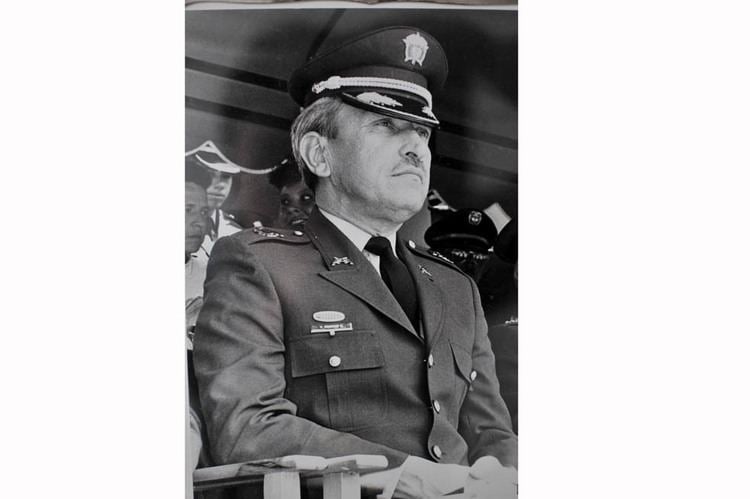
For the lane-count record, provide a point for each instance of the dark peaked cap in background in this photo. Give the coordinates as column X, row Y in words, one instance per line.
column 391, row 71
column 463, row 229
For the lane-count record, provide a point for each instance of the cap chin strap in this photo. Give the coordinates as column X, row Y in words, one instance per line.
column 336, row 82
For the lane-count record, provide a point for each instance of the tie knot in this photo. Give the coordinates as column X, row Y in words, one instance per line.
column 378, row 245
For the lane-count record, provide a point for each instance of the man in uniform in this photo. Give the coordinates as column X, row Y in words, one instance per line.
column 466, row 237
column 344, row 338
column 222, row 172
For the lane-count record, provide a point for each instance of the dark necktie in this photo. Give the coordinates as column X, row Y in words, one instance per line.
column 396, row 277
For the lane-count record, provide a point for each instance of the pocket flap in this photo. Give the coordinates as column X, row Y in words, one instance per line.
column 463, row 361
column 321, row 353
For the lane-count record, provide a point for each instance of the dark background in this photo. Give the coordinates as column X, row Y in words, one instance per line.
column 238, row 61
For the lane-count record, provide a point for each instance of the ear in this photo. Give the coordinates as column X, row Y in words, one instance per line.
column 312, row 148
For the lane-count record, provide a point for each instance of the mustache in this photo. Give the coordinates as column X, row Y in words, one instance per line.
column 416, row 161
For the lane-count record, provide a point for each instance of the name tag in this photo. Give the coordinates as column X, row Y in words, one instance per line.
column 331, row 328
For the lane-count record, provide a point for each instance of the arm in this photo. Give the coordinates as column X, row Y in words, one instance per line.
column 484, row 421
column 239, row 362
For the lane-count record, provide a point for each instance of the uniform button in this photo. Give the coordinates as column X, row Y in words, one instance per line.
column 437, row 451
column 334, row 361
column 436, row 406
column 473, row 375
column 412, row 245
column 298, row 233
column 430, row 360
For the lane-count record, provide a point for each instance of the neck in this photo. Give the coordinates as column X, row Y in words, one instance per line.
column 367, row 217
column 187, row 257
column 373, row 226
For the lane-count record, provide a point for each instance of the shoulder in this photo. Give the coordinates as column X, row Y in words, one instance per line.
column 431, row 254
column 229, row 224
column 257, row 248
column 260, row 235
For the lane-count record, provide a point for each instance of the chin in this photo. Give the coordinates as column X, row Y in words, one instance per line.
column 404, row 212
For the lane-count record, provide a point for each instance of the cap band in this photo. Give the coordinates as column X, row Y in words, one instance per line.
column 336, row 82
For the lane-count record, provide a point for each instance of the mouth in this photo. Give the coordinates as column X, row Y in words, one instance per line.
column 413, row 174
column 296, row 222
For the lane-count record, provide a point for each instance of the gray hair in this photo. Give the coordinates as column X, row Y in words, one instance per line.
column 320, row 117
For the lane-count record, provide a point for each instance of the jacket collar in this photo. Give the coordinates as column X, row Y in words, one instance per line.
column 348, row 268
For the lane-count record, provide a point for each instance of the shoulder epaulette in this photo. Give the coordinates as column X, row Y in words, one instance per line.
column 431, row 254
column 259, row 233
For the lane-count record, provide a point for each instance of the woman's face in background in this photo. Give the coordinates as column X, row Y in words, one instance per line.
column 295, row 204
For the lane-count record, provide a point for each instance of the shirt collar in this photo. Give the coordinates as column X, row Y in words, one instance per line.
column 356, row 235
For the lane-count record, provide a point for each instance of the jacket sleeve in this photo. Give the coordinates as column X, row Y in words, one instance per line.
column 239, row 364
column 484, row 420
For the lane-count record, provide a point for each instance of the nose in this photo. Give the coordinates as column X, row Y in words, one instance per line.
column 202, row 223
column 415, row 149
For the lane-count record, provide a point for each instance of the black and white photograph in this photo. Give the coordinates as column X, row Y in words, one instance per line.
column 375, row 194
column 351, row 254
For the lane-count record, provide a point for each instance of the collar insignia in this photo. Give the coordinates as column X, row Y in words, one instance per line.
column 262, row 231
column 341, row 260
column 415, row 48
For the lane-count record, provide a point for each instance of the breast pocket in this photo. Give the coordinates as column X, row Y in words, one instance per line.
column 463, row 362
column 352, row 364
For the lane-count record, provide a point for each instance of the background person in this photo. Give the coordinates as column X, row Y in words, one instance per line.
column 296, row 199
column 197, row 180
column 221, row 172
column 197, row 226
column 468, row 238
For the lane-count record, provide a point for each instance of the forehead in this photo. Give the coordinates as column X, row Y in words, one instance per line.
column 294, row 187
column 217, row 175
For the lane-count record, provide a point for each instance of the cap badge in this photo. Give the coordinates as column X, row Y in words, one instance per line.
column 475, row 217
column 376, row 98
column 416, row 48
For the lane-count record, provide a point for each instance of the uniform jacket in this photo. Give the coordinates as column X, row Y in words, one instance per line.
column 223, row 224
column 270, row 387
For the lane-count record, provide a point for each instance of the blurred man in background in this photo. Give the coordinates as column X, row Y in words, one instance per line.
column 221, row 172
column 197, row 226
column 469, row 238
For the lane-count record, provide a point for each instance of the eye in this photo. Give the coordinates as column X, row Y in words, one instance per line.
column 423, row 132
column 388, row 124
column 285, row 202
column 306, row 197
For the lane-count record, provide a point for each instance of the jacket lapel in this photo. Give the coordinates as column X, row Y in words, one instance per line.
column 431, row 299
column 350, row 270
